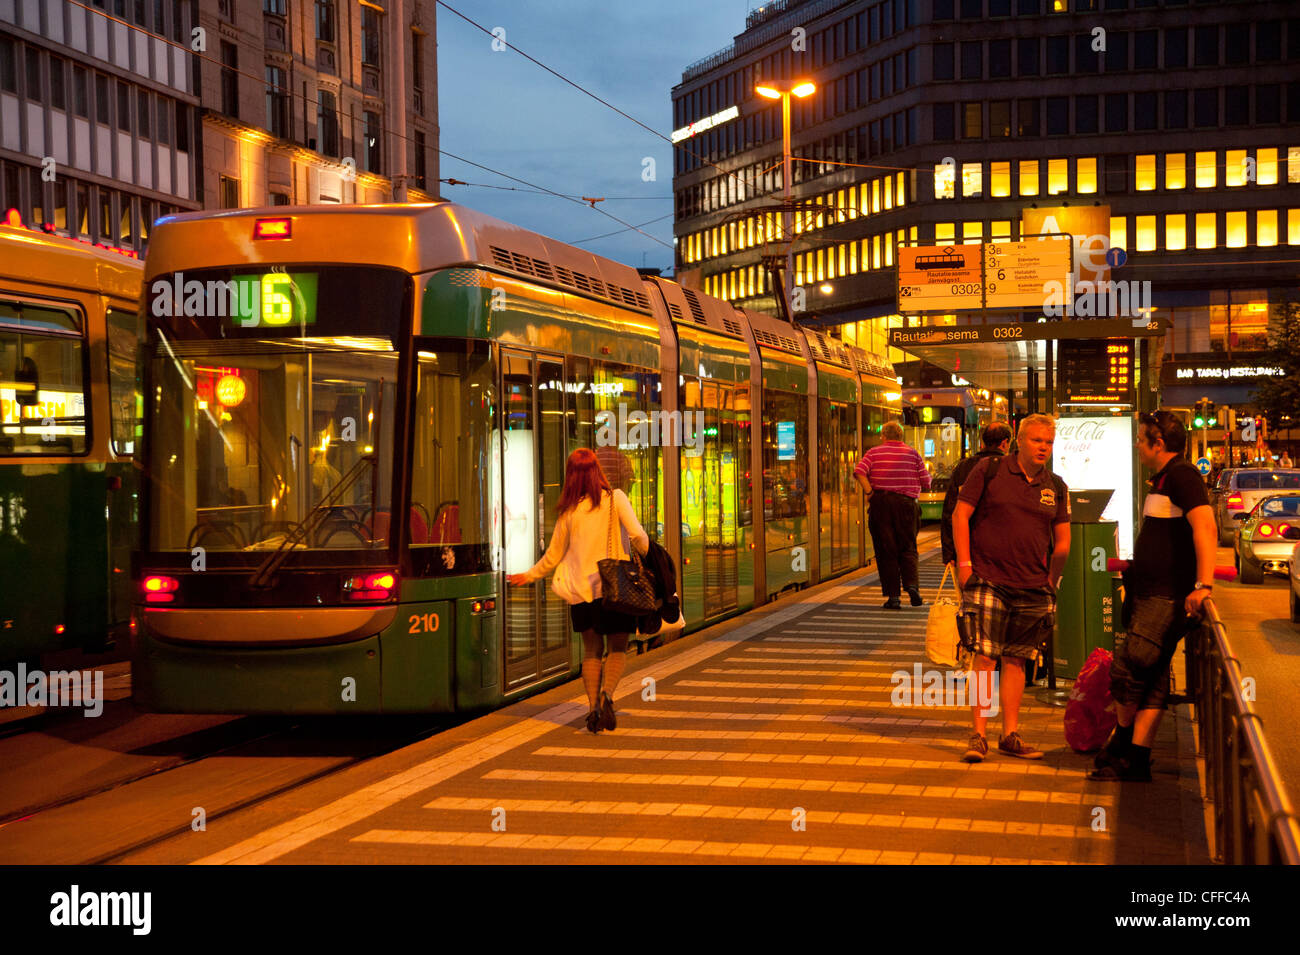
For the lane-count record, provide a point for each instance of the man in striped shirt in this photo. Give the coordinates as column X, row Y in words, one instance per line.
column 893, row 476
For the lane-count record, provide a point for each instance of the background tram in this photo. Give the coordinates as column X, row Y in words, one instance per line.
column 944, row 425
column 357, row 423
column 69, row 422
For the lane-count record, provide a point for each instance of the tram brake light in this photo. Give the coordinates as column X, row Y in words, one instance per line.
column 378, row 586
column 159, row 589
column 484, row 606
column 273, row 228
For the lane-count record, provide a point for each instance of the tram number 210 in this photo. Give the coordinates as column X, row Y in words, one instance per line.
column 424, row 623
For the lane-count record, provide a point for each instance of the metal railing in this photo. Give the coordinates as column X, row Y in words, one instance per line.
column 1254, row 822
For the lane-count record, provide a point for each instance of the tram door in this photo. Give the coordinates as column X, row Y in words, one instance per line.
column 720, row 498
column 537, row 632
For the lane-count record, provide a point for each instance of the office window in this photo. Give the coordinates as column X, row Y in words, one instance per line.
column 1144, row 173
column 999, row 58
column 945, row 180
column 58, row 91
column 1206, row 108
column 1000, row 180
column 142, row 123
column 1085, row 175
column 1027, row 56
column 1175, row 109
column 945, row 233
column 1116, row 174
column 1234, row 167
column 8, row 66
column 1144, row 233
column 327, row 124
column 1205, row 231
column 1000, row 230
column 1116, row 56
column 164, row 114
column 1266, row 227
column 101, row 98
column 1085, row 114
column 1144, row 111
column 1293, row 227
column 420, row 174
column 1293, row 102
column 1029, row 7
column 80, row 91
column 972, row 233
column 972, row 180
column 1266, row 167
column 325, row 20
column 273, row 6
column 35, row 88
column 1234, row 230
column 1206, row 43
column 1268, row 41
column 1116, row 112
column 972, row 60
column 1175, row 232
column 943, row 61
column 943, row 123
column 182, row 127
column 123, row 106
column 417, row 64
column 1058, row 54
column 1175, row 170
column 999, row 119
column 1028, row 177
column 371, row 29
column 229, row 79
column 1236, row 106
column 229, row 193
column 1144, row 50
column 1205, row 170
column 1058, row 176
column 1236, row 44
column 972, row 123
column 1027, row 124
column 277, row 103
column 1175, row 47
column 1118, row 232
column 1268, row 101
column 1058, row 115
column 1086, row 59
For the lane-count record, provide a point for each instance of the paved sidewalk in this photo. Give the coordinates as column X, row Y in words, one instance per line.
column 769, row 739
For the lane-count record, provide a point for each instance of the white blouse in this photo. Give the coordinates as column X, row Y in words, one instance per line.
column 581, row 539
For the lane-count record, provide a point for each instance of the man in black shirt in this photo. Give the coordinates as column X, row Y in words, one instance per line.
column 996, row 439
column 1166, row 583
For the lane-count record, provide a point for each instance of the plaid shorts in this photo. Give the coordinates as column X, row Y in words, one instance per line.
column 1007, row 621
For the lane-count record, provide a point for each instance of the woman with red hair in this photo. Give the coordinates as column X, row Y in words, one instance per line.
column 581, row 539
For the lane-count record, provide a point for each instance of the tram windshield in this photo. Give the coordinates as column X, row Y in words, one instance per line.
column 279, row 427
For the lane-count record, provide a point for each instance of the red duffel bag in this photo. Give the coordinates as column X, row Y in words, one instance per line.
column 1089, row 716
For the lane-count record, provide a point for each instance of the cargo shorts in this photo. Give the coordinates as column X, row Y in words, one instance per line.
column 1139, row 673
column 1007, row 621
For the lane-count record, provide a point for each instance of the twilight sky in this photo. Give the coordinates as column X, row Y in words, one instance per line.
column 498, row 109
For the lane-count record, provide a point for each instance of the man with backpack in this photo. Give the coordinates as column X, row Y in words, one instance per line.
column 995, row 440
column 1011, row 530
column 1166, row 585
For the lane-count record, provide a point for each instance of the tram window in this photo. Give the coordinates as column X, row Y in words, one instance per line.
column 455, row 414
column 125, row 400
column 42, row 384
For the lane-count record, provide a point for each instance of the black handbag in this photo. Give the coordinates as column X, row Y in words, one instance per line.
column 625, row 585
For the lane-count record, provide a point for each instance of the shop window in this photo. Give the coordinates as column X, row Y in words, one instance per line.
column 1144, row 233
column 1175, row 170
column 1144, row 174
column 1205, row 230
column 1175, row 232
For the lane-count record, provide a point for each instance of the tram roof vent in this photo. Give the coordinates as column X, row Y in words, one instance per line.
column 693, row 300
column 779, row 342
column 570, row 278
column 519, row 262
column 675, row 311
column 733, row 326
column 829, row 353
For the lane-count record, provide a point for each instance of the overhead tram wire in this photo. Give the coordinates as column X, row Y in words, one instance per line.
column 303, row 97
column 484, row 185
column 606, row 235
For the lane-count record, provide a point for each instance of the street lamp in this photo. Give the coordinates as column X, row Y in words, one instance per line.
column 801, row 89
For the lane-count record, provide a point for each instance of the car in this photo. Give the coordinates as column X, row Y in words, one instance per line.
column 1243, row 489
column 1293, row 534
column 1262, row 542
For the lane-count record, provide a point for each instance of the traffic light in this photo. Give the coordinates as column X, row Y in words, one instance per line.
column 1210, row 419
column 1199, row 417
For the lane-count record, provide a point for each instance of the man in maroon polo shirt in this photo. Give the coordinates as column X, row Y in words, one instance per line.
column 1012, row 534
column 893, row 476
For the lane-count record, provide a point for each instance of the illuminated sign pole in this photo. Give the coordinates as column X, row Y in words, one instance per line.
column 800, row 90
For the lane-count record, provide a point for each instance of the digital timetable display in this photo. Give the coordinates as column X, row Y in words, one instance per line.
column 1096, row 372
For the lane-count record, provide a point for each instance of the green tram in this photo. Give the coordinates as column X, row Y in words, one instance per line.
column 312, row 372
column 69, row 423
column 945, row 425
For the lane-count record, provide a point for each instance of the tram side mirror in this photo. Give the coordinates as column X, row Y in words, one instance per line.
column 29, row 386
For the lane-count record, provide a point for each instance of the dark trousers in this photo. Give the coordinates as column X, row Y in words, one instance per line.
column 892, row 521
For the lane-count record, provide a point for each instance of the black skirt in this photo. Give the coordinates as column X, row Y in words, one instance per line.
column 594, row 616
